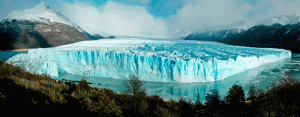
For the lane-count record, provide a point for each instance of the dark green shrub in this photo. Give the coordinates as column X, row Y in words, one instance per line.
column 106, row 107
column 280, row 100
column 161, row 112
column 84, row 85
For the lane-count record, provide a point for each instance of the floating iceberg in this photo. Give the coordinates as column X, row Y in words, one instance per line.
column 149, row 59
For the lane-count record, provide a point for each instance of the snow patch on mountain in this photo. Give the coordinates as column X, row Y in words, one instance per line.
column 283, row 20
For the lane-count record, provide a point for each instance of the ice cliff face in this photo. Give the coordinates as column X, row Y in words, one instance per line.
column 150, row 60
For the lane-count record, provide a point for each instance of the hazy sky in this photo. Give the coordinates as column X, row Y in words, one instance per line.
column 158, row 18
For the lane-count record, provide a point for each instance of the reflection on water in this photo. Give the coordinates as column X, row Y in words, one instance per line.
column 261, row 77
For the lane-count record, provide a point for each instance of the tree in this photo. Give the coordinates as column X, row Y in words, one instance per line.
column 134, row 86
column 236, row 100
column 84, row 85
column 252, row 93
column 213, row 99
column 235, row 95
column 213, row 103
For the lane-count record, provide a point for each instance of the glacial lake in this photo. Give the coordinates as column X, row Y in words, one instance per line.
column 261, row 77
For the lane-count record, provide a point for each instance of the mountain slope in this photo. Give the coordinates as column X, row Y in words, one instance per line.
column 275, row 32
column 212, row 35
column 215, row 33
column 25, row 34
column 42, row 13
column 220, row 32
column 39, row 27
column 274, row 36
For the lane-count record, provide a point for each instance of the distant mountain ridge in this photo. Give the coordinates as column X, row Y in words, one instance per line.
column 274, row 36
column 275, row 32
column 212, row 35
column 219, row 32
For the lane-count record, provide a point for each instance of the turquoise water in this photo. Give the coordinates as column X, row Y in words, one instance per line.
column 261, row 77
column 4, row 55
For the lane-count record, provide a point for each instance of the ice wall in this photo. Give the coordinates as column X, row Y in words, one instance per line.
column 150, row 60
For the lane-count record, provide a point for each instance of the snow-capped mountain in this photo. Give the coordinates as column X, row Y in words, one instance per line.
column 214, row 33
column 25, row 34
column 42, row 13
column 218, row 33
column 238, row 27
column 275, row 32
column 268, row 36
column 39, row 27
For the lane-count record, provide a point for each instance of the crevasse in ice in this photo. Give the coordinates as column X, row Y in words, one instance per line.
column 149, row 59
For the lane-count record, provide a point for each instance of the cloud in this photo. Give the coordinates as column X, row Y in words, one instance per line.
column 197, row 15
column 268, row 8
column 7, row 6
column 135, row 20
column 202, row 14
column 115, row 19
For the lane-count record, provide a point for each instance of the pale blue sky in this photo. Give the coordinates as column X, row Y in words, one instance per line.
column 158, row 18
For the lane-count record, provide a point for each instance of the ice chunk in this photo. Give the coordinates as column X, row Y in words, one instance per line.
column 149, row 59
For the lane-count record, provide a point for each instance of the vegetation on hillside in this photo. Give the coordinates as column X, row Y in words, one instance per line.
column 30, row 94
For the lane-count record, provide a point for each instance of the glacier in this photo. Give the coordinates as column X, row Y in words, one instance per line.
column 159, row 60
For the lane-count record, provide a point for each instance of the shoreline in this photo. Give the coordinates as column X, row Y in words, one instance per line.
column 19, row 50
column 15, row 50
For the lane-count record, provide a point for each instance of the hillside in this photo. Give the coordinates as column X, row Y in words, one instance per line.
column 275, row 32
column 40, row 27
column 24, row 34
column 274, row 36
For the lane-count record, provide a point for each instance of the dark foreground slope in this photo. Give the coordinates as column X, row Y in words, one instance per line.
column 25, row 34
